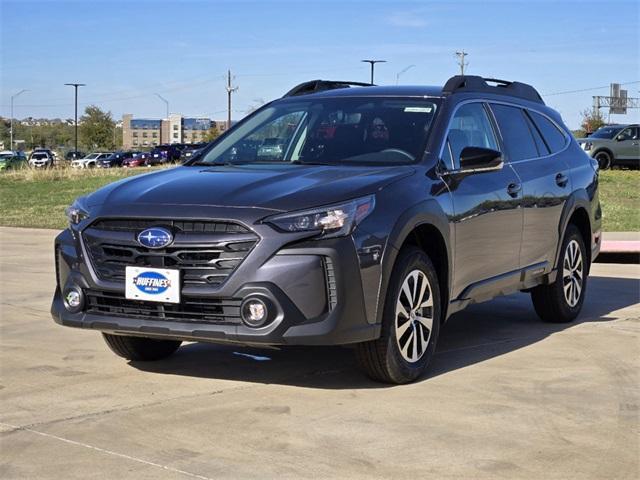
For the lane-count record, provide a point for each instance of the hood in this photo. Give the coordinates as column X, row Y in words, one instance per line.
column 593, row 140
column 273, row 187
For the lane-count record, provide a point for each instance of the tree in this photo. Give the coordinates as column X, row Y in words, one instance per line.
column 211, row 134
column 592, row 120
column 96, row 129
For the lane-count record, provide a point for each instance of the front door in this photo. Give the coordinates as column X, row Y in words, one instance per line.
column 628, row 144
column 487, row 214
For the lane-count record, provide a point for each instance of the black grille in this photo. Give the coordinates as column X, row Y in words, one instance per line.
column 190, row 310
column 330, row 279
column 206, row 252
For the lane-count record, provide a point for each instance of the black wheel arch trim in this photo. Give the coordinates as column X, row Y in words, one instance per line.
column 429, row 213
column 578, row 200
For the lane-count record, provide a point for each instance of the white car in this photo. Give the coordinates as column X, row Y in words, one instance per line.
column 90, row 160
column 41, row 159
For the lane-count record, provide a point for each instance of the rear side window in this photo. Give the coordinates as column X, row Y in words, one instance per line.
column 554, row 138
column 516, row 133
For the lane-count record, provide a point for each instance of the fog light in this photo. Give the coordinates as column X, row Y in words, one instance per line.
column 254, row 312
column 73, row 299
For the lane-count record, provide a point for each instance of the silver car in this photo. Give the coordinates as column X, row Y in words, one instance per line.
column 614, row 145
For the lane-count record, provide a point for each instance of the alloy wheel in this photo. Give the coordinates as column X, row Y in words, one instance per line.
column 414, row 316
column 572, row 273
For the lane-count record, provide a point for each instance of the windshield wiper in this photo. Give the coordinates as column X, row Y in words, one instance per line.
column 300, row 162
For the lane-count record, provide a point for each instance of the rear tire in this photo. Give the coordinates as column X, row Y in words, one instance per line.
column 140, row 348
column 604, row 160
column 561, row 301
column 410, row 323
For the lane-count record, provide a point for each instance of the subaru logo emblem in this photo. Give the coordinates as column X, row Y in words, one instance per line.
column 155, row 237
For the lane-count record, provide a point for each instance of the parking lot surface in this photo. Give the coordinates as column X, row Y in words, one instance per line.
column 507, row 396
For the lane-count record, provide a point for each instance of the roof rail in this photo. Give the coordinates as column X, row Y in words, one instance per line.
column 314, row 86
column 472, row 83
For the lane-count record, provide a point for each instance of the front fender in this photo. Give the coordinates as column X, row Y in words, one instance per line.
column 428, row 212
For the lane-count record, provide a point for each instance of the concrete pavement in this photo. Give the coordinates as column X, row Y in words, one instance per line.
column 506, row 396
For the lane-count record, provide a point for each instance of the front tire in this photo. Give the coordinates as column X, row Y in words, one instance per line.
column 604, row 160
column 410, row 323
column 140, row 348
column 561, row 301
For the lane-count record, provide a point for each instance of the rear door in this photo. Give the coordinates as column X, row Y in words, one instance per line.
column 533, row 145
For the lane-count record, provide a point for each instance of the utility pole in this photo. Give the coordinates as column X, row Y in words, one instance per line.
column 230, row 90
column 12, row 97
column 75, row 118
column 372, row 63
column 461, row 56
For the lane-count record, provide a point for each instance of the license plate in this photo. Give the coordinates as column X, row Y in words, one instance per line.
column 152, row 284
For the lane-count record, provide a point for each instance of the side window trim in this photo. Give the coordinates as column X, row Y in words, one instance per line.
column 534, row 129
column 445, row 140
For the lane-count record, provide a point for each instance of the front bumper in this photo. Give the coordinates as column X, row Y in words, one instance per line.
column 310, row 304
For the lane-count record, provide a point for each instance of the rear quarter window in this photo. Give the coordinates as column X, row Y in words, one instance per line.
column 554, row 138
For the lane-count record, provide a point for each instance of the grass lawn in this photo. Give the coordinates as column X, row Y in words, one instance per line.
column 620, row 199
column 38, row 198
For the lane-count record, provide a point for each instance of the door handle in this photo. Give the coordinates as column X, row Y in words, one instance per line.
column 514, row 189
column 562, row 180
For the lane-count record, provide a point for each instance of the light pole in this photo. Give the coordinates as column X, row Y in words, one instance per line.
column 75, row 118
column 372, row 63
column 12, row 97
column 401, row 72
column 166, row 103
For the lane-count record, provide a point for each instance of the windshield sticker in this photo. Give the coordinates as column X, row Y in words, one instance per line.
column 418, row 109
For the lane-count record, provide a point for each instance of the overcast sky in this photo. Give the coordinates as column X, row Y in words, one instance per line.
column 127, row 51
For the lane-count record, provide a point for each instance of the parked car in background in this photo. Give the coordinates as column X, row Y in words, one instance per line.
column 90, row 160
column 164, row 154
column 116, row 159
column 139, row 160
column 391, row 209
column 614, row 145
column 192, row 150
column 74, row 155
column 11, row 160
column 41, row 158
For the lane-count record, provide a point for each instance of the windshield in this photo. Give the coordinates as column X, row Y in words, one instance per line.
column 332, row 131
column 605, row 132
column 4, row 156
column 39, row 156
column 91, row 156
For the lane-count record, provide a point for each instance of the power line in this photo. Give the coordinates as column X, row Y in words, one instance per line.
column 585, row 89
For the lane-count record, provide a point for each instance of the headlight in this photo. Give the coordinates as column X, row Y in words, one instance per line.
column 76, row 213
column 587, row 146
column 331, row 221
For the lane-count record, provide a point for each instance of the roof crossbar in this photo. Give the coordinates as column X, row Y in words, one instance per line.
column 472, row 83
column 315, row 86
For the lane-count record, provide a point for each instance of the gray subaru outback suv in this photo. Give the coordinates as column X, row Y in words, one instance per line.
column 386, row 210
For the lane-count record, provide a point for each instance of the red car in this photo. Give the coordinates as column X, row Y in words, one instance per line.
column 137, row 161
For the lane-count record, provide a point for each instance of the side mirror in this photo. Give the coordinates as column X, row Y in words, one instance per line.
column 621, row 138
column 480, row 159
